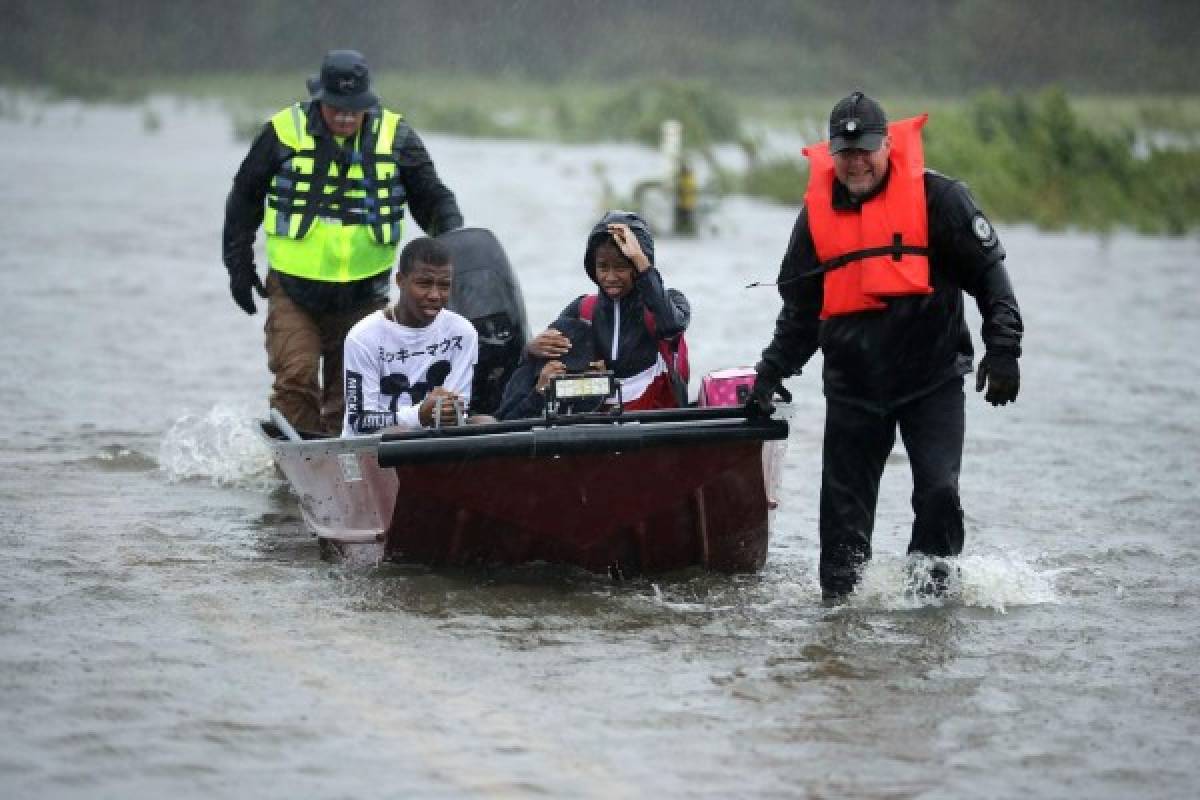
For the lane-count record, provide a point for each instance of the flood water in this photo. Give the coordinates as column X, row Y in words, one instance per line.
column 167, row 627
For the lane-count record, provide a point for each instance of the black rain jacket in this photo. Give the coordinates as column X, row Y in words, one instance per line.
column 882, row 359
column 636, row 349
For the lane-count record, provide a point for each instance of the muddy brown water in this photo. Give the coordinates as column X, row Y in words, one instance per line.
column 168, row 628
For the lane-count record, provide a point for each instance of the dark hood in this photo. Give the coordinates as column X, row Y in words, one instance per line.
column 600, row 234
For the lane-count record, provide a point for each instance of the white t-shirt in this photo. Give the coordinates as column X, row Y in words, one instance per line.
column 391, row 367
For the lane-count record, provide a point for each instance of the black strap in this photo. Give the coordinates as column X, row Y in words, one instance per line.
column 367, row 144
column 321, row 161
column 353, row 215
column 897, row 250
column 336, row 204
column 341, row 182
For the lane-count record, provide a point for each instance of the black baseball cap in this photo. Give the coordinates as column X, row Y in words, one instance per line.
column 344, row 82
column 856, row 123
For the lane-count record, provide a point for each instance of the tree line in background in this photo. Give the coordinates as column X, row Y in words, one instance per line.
column 766, row 46
column 1032, row 158
column 589, row 71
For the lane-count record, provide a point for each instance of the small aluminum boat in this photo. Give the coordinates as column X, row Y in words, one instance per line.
column 622, row 492
column 638, row 492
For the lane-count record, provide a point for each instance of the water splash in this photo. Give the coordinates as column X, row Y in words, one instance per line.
column 221, row 445
column 119, row 458
column 701, row 605
column 991, row 580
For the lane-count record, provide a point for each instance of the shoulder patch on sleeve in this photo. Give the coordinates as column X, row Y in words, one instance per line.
column 983, row 230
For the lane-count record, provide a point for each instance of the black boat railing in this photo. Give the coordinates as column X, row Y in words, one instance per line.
column 579, row 433
column 566, row 420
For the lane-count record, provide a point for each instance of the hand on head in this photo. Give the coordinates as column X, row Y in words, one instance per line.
column 449, row 408
column 629, row 245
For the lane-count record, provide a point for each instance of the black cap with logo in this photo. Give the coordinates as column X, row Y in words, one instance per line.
column 344, row 82
column 856, row 123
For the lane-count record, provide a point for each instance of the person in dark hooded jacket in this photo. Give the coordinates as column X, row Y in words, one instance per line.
column 619, row 259
column 525, row 393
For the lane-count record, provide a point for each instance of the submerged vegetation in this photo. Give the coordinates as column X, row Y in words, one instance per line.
column 1038, row 159
column 1094, row 164
column 503, row 107
column 755, row 75
column 1091, row 163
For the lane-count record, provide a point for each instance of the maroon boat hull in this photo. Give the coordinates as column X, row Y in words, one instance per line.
column 651, row 494
column 654, row 510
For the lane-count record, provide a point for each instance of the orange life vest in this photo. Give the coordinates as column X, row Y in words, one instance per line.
column 881, row 249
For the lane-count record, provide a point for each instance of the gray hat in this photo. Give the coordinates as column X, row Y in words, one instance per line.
column 344, row 82
column 856, row 123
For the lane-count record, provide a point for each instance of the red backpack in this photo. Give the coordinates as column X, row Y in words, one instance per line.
column 674, row 351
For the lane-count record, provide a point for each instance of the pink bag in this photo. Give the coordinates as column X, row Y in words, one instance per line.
column 726, row 387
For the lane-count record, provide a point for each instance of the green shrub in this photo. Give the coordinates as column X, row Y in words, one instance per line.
column 462, row 119
column 781, row 180
column 1035, row 159
column 638, row 110
column 90, row 86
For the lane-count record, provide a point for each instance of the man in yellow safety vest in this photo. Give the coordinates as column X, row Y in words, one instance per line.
column 329, row 181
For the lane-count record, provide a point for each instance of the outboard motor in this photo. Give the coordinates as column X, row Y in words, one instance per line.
column 486, row 291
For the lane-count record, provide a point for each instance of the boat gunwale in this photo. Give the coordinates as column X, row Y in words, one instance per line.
column 552, row 442
column 719, row 421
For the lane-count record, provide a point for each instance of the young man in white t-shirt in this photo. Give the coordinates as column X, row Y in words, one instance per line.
column 401, row 360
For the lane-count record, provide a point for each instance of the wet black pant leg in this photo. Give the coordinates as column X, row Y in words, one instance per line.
column 932, row 428
column 857, row 442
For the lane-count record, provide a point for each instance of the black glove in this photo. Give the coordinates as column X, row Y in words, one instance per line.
column 241, row 281
column 1002, row 377
column 761, row 402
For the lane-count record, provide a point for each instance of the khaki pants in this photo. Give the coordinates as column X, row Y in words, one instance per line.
column 304, row 353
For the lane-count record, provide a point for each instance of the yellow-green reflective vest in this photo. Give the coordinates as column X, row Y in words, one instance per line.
column 335, row 222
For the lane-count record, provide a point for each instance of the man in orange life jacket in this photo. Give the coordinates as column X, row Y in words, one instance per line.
column 874, row 275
